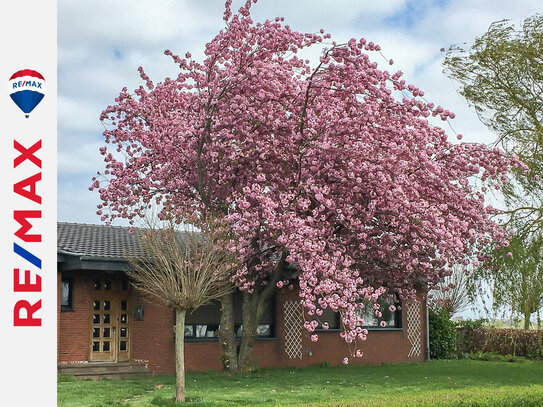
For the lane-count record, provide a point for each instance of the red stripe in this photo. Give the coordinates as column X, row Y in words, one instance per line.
column 27, row 72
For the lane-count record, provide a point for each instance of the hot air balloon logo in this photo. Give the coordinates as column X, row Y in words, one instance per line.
column 27, row 89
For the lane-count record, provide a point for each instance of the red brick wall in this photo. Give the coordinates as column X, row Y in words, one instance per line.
column 153, row 340
column 74, row 338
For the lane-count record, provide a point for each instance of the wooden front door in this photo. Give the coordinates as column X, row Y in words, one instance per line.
column 110, row 321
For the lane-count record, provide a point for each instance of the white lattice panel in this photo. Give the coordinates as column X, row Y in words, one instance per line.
column 414, row 328
column 293, row 329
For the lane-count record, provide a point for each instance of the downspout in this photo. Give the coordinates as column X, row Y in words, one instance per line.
column 427, row 328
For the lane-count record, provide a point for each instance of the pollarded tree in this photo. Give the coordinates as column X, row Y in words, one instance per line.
column 321, row 166
column 183, row 270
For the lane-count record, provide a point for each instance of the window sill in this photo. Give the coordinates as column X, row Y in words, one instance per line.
column 378, row 328
column 371, row 328
column 216, row 338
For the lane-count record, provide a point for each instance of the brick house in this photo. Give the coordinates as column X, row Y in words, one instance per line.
column 103, row 322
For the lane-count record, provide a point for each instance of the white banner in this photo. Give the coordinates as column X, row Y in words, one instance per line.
column 28, row 282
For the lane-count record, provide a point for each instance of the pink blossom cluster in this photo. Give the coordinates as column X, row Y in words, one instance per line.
column 321, row 164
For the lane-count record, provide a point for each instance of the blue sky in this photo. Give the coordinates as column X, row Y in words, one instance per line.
column 102, row 43
column 412, row 12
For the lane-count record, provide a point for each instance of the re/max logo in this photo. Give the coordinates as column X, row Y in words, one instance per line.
column 28, row 84
column 26, row 188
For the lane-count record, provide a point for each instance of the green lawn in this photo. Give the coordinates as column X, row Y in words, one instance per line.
column 435, row 383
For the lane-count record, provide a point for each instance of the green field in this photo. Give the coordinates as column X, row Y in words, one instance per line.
column 434, row 383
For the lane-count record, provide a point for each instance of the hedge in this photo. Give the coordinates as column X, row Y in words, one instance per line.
column 517, row 342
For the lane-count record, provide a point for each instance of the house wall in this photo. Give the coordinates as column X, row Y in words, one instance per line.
column 74, row 326
column 153, row 340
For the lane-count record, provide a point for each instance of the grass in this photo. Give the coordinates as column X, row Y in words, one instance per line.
column 459, row 383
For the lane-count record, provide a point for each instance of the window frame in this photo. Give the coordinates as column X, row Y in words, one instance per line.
column 70, row 306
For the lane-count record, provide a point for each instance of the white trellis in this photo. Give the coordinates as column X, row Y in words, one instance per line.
column 292, row 311
column 414, row 328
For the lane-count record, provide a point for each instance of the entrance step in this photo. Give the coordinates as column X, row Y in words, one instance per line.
column 104, row 370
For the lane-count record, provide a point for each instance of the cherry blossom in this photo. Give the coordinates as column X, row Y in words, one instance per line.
column 333, row 166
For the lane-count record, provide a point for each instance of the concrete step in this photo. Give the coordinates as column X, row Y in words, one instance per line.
column 100, row 370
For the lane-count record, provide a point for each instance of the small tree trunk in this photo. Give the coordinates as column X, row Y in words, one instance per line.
column 539, row 339
column 180, row 354
column 227, row 333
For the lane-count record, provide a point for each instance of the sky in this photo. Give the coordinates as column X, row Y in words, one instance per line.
column 102, row 43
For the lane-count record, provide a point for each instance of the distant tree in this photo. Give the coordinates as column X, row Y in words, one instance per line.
column 501, row 76
column 182, row 270
column 320, row 166
column 451, row 293
column 514, row 274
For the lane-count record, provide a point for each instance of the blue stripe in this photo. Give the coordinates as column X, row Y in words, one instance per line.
column 27, row 100
column 25, row 254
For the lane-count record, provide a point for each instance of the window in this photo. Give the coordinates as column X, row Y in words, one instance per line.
column 387, row 317
column 66, row 288
column 392, row 318
column 204, row 322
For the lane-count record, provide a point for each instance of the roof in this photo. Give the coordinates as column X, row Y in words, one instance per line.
column 97, row 241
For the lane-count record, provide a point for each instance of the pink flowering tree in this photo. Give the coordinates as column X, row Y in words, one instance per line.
column 333, row 168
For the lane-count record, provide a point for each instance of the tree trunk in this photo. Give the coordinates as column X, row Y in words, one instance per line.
column 248, row 333
column 254, row 305
column 180, row 354
column 227, row 334
column 527, row 316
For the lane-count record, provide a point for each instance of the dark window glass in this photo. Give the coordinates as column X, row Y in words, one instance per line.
column 107, row 285
column 96, row 346
column 123, row 305
column 105, row 346
column 124, row 284
column 122, row 345
column 329, row 318
column 107, row 305
column 107, row 319
column 123, row 332
column 96, row 305
column 66, row 295
column 96, row 318
column 95, row 332
column 189, row 330
column 97, row 285
column 123, row 318
column 106, row 332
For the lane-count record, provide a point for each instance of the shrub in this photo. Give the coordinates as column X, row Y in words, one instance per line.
column 464, row 341
column 442, row 334
column 516, row 342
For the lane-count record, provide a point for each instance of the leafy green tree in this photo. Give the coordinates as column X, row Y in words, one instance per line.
column 501, row 76
column 515, row 275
